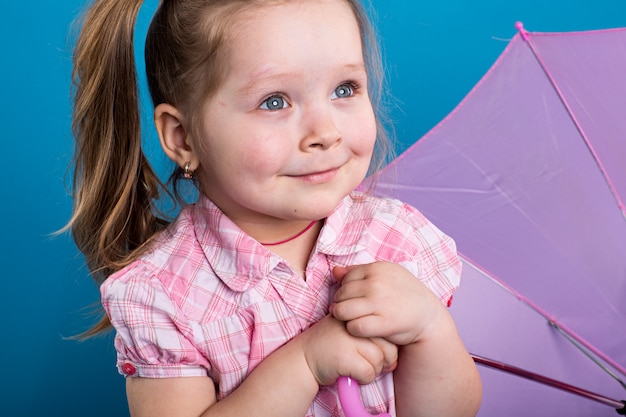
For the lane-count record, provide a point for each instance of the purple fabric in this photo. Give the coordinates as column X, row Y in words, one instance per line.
column 509, row 175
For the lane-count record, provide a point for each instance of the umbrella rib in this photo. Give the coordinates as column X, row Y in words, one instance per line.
column 607, row 179
column 620, row 406
column 581, row 348
column 553, row 321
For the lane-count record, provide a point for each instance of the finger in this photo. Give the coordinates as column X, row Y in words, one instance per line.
column 390, row 353
column 353, row 273
column 370, row 362
column 339, row 272
column 351, row 309
column 370, row 325
column 350, row 290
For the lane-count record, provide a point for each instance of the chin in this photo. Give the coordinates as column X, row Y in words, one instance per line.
column 318, row 209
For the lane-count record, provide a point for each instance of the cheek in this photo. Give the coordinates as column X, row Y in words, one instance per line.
column 363, row 132
column 263, row 154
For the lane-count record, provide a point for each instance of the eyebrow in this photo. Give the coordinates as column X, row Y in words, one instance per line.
column 261, row 78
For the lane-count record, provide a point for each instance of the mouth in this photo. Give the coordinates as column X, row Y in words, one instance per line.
column 318, row 177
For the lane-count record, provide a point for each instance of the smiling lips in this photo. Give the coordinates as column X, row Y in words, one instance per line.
column 318, row 177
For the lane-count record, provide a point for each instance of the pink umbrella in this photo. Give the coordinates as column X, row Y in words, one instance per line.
column 528, row 174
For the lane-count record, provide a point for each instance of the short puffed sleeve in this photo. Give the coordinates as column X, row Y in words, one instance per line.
column 153, row 337
column 436, row 262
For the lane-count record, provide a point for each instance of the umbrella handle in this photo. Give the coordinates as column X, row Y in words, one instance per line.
column 350, row 398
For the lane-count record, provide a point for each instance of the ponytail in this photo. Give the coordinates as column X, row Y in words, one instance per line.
column 114, row 186
column 113, row 183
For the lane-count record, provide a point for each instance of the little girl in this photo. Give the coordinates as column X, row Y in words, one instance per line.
column 281, row 277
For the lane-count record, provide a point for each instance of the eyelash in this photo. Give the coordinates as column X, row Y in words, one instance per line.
column 354, row 87
column 274, row 96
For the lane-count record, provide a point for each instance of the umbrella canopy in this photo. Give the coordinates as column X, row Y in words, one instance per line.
column 528, row 174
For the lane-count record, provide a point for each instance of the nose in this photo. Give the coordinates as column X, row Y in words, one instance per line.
column 320, row 130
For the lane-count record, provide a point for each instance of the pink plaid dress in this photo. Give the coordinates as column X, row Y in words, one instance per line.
column 209, row 300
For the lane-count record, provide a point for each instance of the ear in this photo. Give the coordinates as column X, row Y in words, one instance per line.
column 175, row 141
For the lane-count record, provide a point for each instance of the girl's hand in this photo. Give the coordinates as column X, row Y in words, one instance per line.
column 383, row 299
column 331, row 352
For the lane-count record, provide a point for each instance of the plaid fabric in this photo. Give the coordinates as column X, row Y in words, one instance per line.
column 211, row 300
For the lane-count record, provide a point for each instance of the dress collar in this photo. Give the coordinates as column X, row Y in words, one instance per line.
column 240, row 261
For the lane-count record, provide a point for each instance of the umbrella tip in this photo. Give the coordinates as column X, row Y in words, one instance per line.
column 520, row 28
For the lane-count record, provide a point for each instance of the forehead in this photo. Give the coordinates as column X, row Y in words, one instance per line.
column 295, row 35
column 264, row 9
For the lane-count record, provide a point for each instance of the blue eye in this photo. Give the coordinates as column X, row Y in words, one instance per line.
column 274, row 103
column 343, row 91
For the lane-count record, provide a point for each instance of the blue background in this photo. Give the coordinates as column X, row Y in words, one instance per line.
column 436, row 51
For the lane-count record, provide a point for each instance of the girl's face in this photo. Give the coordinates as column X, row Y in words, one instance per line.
column 291, row 130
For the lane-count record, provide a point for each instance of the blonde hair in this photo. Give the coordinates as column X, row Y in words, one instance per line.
column 114, row 186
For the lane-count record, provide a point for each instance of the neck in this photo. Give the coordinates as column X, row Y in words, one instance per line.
column 294, row 237
column 297, row 251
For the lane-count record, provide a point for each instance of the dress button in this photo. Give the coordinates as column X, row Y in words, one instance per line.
column 449, row 301
column 129, row 369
